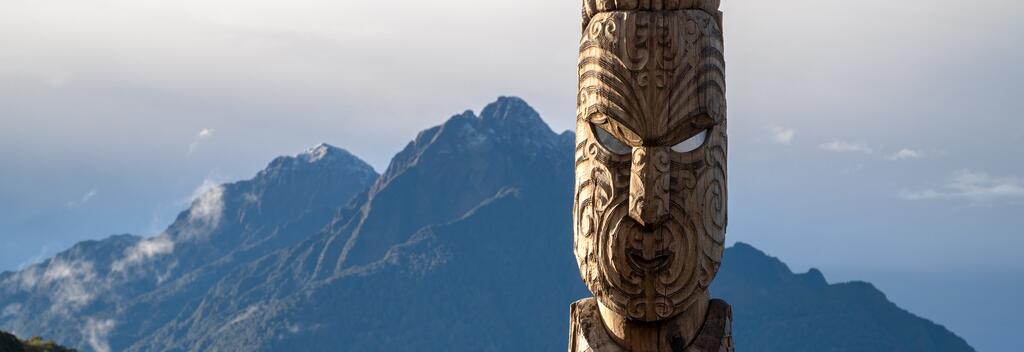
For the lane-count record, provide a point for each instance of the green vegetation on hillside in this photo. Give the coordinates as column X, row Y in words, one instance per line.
column 11, row 343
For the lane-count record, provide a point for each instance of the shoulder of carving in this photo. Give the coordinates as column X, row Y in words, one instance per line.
column 586, row 331
column 716, row 335
column 593, row 7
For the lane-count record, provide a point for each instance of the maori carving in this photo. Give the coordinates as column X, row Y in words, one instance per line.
column 650, row 208
column 592, row 7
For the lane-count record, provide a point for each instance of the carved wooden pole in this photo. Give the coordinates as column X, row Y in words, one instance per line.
column 650, row 205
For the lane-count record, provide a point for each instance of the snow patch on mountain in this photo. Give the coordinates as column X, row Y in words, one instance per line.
column 317, row 153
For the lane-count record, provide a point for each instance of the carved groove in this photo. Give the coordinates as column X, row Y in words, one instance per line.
column 649, row 227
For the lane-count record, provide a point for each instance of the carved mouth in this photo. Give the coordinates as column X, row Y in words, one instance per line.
column 639, row 262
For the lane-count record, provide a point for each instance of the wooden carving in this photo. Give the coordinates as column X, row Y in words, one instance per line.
column 650, row 203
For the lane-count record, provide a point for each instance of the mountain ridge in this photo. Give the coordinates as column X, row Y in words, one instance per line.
column 467, row 230
column 764, row 287
column 132, row 275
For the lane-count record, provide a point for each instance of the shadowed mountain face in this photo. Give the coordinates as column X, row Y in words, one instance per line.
column 463, row 244
column 451, row 169
column 776, row 310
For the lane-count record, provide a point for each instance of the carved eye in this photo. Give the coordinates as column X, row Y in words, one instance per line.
column 691, row 144
column 611, row 143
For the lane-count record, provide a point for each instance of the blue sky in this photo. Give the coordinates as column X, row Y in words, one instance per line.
column 873, row 139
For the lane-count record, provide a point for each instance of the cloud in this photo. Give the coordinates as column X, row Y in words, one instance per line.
column 96, row 333
column 250, row 198
column 27, row 279
column 203, row 134
column 11, row 310
column 248, row 313
column 295, row 328
column 972, row 186
column 72, row 284
column 904, row 154
column 204, row 216
column 44, row 252
column 205, row 213
column 854, row 169
column 782, row 135
column 142, row 251
column 839, row 146
column 85, row 199
column 208, row 206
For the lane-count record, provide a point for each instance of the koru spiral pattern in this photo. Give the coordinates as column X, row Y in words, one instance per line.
column 650, row 225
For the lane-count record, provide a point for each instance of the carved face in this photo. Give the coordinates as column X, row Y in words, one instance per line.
column 650, row 203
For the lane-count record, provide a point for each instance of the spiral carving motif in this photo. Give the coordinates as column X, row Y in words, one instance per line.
column 650, row 225
column 649, row 273
column 651, row 196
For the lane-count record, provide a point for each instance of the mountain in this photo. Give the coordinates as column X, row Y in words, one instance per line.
column 124, row 287
column 463, row 244
column 448, row 174
column 777, row 310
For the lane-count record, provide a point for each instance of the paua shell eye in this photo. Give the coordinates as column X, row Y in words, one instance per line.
column 691, row 144
column 608, row 141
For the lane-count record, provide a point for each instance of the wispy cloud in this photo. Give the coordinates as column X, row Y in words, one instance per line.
column 971, row 186
column 839, row 146
column 88, row 196
column 97, row 332
column 295, row 328
column 204, row 213
column 854, row 169
column 11, row 310
column 45, row 252
column 904, row 154
column 72, row 284
column 248, row 313
column 142, row 251
column 209, row 203
column 782, row 135
column 203, row 134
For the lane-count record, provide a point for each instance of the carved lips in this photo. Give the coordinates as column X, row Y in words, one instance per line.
column 649, row 265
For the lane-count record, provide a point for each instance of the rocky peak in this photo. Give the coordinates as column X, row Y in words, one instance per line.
column 455, row 167
column 321, row 164
column 322, row 155
column 513, row 118
column 508, row 124
column 511, row 110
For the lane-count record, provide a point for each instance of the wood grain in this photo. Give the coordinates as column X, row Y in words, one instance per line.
column 649, row 222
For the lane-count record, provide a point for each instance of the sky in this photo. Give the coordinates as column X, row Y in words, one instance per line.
column 875, row 140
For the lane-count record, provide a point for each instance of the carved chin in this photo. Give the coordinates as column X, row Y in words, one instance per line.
column 649, row 274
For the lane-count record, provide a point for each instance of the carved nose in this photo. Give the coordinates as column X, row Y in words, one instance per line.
column 649, row 185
